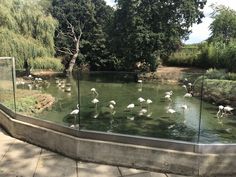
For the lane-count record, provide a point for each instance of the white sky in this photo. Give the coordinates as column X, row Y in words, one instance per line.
column 201, row 32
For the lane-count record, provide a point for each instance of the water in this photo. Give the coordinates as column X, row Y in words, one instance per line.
column 123, row 88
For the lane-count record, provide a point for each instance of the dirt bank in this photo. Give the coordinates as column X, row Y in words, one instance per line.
column 169, row 74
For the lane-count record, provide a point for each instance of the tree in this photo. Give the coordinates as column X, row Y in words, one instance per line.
column 88, row 18
column 146, row 29
column 223, row 26
column 26, row 31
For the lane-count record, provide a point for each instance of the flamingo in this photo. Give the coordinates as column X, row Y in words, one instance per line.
column 188, row 95
column 75, row 113
column 111, row 106
column 184, row 106
column 141, row 85
column 95, row 101
column 93, row 90
column 185, row 87
column 140, row 81
column 130, row 106
column 171, row 111
column 112, row 102
column 141, row 100
column 220, row 111
column 149, row 101
column 142, row 112
column 168, row 97
column 228, row 109
column 169, row 93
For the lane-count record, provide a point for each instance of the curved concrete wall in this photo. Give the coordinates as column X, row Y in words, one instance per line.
column 199, row 159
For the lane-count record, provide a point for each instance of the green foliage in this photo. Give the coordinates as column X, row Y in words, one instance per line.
column 223, row 26
column 93, row 17
column 207, row 55
column 220, row 75
column 23, row 104
column 47, row 64
column 20, row 47
column 219, row 55
column 143, row 28
column 26, row 31
column 186, row 56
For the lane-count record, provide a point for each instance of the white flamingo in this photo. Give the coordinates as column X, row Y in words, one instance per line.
column 75, row 113
column 111, row 106
column 149, row 101
column 220, row 112
column 112, row 102
column 130, row 106
column 169, row 93
column 188, row 95
column 185, row 87
column 228, row 109
column 184, row 107
column 94, row 91
column 171, row 111
column 141, row 85
column 95, row 101
column 142, row 112
column 141, row 100
column 168, row 97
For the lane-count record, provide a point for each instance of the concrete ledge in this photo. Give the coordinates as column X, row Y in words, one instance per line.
column 125, row 154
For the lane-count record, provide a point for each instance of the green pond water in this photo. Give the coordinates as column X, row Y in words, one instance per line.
column 157, row 123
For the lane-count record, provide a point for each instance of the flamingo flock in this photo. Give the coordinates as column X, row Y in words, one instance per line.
column 144, row 104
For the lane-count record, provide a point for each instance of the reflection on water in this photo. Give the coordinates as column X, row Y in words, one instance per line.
column 140, row 108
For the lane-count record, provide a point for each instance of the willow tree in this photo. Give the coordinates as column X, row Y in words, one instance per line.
column 30, row 29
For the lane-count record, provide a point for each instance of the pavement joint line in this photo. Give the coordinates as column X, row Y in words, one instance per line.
column 37, row 162
column 130, row 175
column 165, row 174
column 77, row 168
column 120, row 171
column 8, row 149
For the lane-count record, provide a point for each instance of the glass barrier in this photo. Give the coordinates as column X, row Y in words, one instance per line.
column 48, row 98
column 218, row 114
column 7, row 82
column 188, row 107
column 166, row 108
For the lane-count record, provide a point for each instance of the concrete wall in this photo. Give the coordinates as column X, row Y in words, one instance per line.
column 123, row 154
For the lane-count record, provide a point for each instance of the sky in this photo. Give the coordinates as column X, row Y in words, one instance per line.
column 201, row 31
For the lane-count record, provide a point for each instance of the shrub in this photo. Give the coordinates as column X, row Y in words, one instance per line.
column 187, row 56
column 47, row 63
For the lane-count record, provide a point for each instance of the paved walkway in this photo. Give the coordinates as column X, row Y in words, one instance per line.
column 20, row 159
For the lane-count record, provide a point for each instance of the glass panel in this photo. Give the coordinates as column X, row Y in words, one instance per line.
column 49, row 98
column 154, row 109
column 218, row 123
column 6, row 83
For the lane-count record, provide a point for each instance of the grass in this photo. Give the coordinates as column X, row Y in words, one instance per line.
column 26, row 101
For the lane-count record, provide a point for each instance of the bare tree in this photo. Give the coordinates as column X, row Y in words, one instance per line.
column 76, row 40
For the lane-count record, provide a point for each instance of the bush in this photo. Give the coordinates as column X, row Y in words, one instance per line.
column 187, row 56
column 47, row 63
column 220, row 75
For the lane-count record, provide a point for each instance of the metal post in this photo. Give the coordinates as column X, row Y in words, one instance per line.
column 78, row 81
column 14, row 81
column 200, row 117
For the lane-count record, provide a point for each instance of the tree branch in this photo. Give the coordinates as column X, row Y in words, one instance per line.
column 65, row 51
